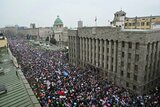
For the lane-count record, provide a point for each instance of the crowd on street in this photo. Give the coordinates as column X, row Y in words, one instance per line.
column 56, row 83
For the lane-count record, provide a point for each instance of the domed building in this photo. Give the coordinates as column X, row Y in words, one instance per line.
column 58, row 23
column 60, row 32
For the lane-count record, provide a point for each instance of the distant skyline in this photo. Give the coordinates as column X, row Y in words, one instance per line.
column 44, row 12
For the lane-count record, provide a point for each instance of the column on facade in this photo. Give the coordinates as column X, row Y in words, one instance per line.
column 100, row 59
column 149, row 61
column 97, row 52
column 86, row 54
column 93, row 51
column 115, row 60
column 80, row 48
column 115, row 56
column 76, row 51
column 71, row 57
column 105, row 54
column 89, row 50
column 110, row 56
column 69, row 48
column 119, row 59
column 157, row 57
column 73, row 47
column 59, row 41
column 83, row 49
column 153, row 60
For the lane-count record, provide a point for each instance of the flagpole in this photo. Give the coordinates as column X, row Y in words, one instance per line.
column 96, row 21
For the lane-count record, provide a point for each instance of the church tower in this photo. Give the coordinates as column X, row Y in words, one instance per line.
column 119, row 18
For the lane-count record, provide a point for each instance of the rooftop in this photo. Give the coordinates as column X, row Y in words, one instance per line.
column 140, row 30
column 19, row 93
column 143, row 17
column 120, row 13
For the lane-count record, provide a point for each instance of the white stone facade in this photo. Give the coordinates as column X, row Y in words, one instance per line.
column 37, row 33
column 60, row 32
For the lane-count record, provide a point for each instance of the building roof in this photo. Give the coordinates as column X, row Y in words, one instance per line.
column 19, row 92
column 120, row 13
column 58, row 21
column 137, row 30
column 142, row 17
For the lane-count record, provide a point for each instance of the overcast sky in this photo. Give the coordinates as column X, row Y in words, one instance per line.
column 44, row 12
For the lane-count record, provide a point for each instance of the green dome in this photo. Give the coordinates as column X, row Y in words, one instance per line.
column 58, row 21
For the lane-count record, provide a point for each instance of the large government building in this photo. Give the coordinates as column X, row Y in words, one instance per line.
column 60, row 32
column 128, row 58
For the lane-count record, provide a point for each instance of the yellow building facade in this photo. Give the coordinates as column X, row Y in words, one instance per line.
column 146, row 22
column 3, row 42
column 141, row 22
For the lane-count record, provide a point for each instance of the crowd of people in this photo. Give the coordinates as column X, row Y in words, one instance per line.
column 55, row 83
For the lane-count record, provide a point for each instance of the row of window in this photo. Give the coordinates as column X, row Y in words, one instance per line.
column 138, row 24
column 151, row 84
column 129, row 66
column 72, row 48
column 130, row 45
column 148, row 18
column 123, row 55
column 128, row 75
column 134, row 87
column 152, row 45
column 129, row 56
column 83, row 42
column 59, row 26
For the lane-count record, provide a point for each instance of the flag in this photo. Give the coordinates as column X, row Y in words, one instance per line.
column 65, row 73
column 96, row 21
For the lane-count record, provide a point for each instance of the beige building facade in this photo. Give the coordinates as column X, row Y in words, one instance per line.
column 130, row 59
column 40, row 33
column 3, row 40
column 141, row 22
column 145, row 22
